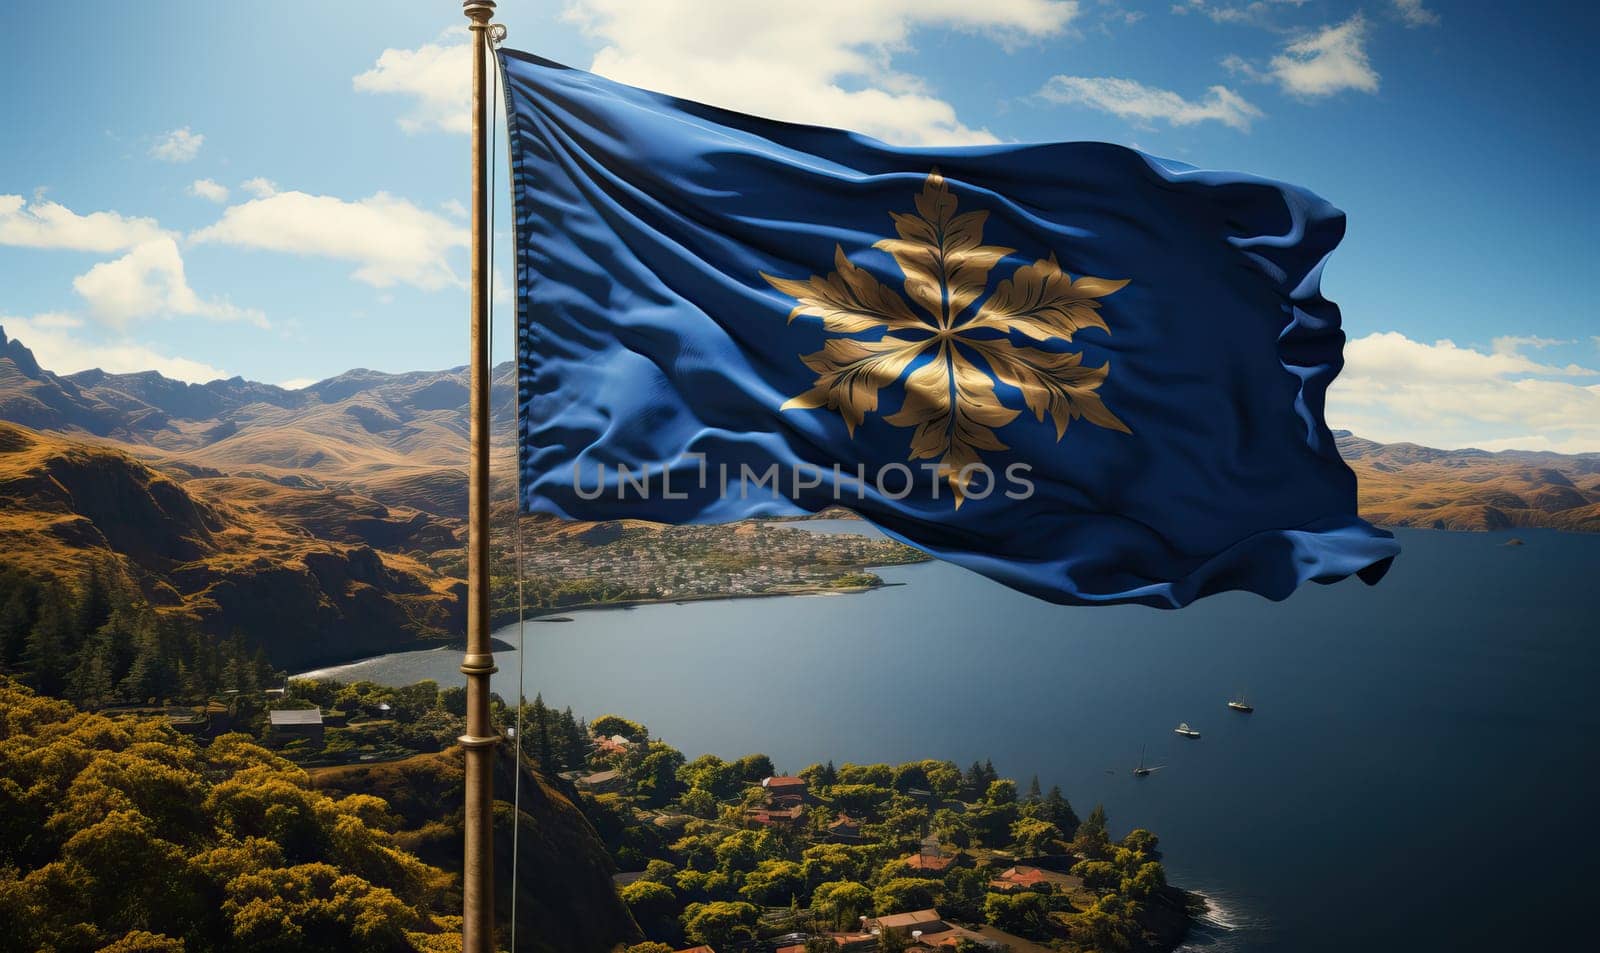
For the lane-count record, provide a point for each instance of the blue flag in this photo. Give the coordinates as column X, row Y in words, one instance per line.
column 1090, row 374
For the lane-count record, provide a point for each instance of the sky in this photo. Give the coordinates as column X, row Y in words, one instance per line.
column 277, row 190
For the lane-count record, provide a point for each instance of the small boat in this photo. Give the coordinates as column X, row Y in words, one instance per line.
column 1239, row 704
column 1186, row 731
column 1141, row 770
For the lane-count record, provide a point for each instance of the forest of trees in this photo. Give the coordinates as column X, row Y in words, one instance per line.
column 119, row 835
column 97, row 642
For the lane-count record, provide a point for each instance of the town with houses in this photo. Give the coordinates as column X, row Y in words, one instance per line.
column 919, row 857
column 624, row 562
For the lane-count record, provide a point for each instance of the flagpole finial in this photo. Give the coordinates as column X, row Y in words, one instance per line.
column 478, row 11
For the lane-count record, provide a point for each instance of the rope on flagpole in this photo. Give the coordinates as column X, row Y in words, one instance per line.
column 496, row 35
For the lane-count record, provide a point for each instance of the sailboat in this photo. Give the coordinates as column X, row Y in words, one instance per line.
column 1141, row 770
column 1237, row 703
column 1186, row 731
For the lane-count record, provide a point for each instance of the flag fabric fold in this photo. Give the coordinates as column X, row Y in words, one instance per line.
column 1093, row 375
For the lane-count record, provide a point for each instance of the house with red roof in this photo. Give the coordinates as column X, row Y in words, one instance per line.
column 1020, row 879
column 785, row 789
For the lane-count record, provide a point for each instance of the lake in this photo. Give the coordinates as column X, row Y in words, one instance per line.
column 1419, row 773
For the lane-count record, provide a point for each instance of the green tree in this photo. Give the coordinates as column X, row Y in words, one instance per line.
column 965, row 889
column 18, row 597
column 699, row 802
column 1098, row 874
column 952, row 828
column 1091, row 840
column 45, row 648
column 743, row 850
column 93, row 603
column 859, row 799
column 1146, row 880
column 754, row 768
column 711, row 774
column 313, row 908
column 1058, row 811
column 876, row 775
column 1141, row 841
column 944, row 779
column 1035, row 837
column 719, row 924
column 774, row 883
column 654, row 907
column 607, row 725
column 841, row 902
column 1000, row 792
column 660, row 871
column 93, row 680
column 991, row 823
column 1025, row 914
column 141, row 941
column 1108, row 925
column 655, row 779
column 905, row 893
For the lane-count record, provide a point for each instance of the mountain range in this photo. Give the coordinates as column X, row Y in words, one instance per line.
column 313, row 520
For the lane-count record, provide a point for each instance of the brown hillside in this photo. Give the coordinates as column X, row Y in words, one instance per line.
column 1407, row 485
column 312, row 574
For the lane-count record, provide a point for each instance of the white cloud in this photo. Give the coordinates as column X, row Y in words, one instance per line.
column 1134, row 100
column 437, row 75
column 454, row 208
column 1415, row 14
column 1511, row 344
column 391, row 240
column 149, row 280
column 1445, row 395
column 1327, row 61
column 55, row 321
column 818, row 61
column 179, row 145
column 259, row 187
column 209, row 190
column 51, row 225
column 50, row 339
column 1257, row 13
column 297, row 383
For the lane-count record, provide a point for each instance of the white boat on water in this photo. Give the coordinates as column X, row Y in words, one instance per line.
column 1186, row 731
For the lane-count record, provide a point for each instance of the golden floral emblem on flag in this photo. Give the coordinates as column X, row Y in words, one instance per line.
column 950, row 398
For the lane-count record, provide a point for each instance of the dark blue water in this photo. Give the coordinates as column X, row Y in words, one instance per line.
column 1419, row 773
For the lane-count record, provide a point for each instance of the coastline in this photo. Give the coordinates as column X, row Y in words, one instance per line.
column 556, row 615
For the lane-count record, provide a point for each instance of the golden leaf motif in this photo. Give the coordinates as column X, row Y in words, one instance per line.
column 950, row 398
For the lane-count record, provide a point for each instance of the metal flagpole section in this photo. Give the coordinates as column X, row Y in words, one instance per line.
column 477, row 873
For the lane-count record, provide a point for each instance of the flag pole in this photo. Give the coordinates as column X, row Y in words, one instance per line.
column 477, row 872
